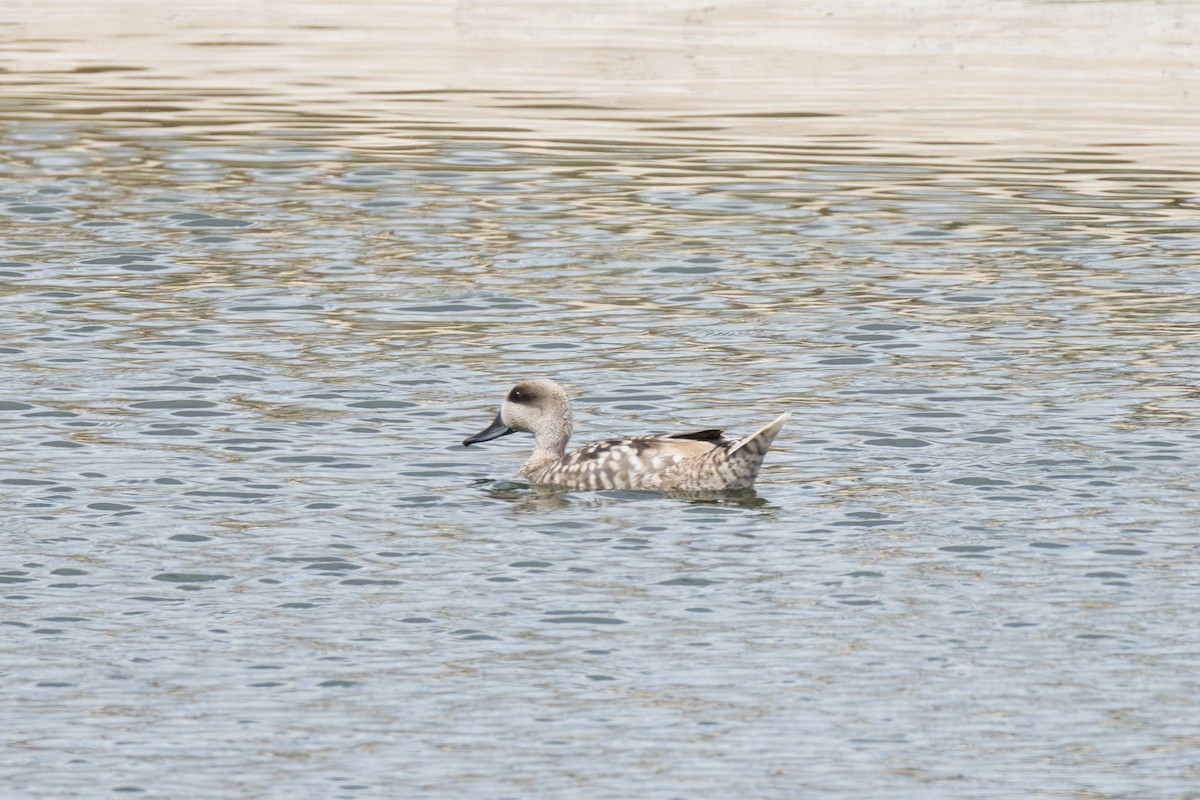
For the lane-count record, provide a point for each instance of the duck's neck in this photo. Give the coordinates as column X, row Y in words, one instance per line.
column 550, row 444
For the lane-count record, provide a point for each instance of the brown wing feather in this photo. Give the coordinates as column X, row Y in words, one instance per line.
column 685, row 446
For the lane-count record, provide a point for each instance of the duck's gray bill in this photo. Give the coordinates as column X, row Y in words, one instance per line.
column 493, row 431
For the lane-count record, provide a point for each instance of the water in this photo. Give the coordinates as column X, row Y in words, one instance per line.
column 263, row 271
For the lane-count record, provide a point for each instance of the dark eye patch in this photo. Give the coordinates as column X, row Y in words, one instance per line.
column 517, row 395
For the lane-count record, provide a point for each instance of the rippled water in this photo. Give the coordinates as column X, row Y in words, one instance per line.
column 262, row 273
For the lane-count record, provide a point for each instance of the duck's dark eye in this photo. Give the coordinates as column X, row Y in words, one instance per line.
column 517, row 396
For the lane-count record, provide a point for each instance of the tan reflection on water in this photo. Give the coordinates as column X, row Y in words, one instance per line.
column 1004, row 75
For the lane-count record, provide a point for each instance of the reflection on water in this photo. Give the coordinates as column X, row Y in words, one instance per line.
column 263, row 276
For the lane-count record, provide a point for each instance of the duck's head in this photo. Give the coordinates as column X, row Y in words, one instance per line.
column 537, row 407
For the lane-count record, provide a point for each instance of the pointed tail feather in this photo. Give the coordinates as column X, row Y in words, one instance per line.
column 760, row 441
column 727, row 466
column 745, row 456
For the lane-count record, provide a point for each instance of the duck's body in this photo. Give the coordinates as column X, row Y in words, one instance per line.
column 680, row 462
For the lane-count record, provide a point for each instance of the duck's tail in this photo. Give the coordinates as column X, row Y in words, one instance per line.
column 746, row 454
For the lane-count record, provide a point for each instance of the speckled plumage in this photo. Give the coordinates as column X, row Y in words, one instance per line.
column 683, row 462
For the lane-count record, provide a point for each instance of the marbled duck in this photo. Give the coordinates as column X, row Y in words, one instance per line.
column 682, row 462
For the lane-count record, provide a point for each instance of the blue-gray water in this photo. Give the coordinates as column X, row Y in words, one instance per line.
column 262, row 274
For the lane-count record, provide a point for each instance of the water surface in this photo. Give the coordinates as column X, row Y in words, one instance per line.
column 263, row 271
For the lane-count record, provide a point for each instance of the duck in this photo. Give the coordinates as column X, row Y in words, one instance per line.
column 699, row 461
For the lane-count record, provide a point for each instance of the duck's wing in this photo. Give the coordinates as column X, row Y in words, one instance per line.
column 650, row 453
column 620, row 463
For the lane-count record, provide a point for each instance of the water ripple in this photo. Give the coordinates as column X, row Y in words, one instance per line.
column 252, row 323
